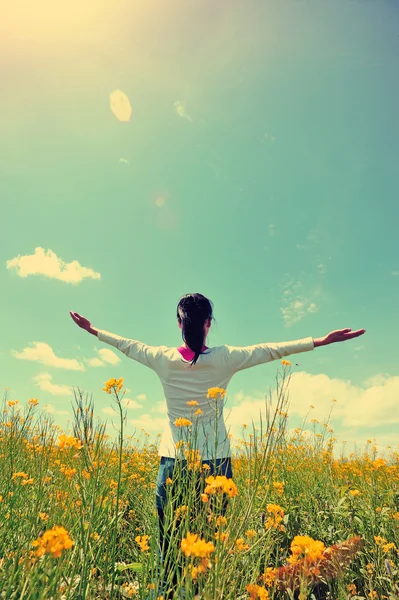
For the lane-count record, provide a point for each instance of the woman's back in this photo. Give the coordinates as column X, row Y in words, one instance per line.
column 183, row 382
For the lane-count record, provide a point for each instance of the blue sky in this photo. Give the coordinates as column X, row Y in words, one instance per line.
column 258, row 167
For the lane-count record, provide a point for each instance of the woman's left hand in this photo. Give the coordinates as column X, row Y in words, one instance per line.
column 81, row 321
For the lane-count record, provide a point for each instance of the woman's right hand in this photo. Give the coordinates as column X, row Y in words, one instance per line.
column 341, row 335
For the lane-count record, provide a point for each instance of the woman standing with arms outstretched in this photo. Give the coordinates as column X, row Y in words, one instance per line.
column 188, row 372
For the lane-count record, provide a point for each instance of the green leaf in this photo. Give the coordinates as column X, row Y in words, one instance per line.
column 135, row 566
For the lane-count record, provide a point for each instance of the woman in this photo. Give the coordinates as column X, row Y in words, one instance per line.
column 188, row 372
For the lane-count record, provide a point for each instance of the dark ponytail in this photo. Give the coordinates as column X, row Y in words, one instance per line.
column 193, row 311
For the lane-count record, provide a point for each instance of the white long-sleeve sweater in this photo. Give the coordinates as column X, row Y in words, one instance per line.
column 182, row 383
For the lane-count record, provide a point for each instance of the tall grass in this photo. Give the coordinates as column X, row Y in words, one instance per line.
column 78, row 517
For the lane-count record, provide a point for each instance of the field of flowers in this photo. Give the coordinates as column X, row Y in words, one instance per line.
column 78, row 517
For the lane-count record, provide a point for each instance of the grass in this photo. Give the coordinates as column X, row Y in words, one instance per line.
column 78, row 517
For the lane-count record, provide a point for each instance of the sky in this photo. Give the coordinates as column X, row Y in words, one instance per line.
column 247, row 151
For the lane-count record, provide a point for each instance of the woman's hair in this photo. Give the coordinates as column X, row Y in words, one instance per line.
column 193, row 311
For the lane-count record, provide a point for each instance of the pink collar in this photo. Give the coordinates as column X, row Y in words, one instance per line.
column 188, row 354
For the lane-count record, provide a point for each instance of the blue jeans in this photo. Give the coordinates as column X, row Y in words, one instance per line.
column 166, row 469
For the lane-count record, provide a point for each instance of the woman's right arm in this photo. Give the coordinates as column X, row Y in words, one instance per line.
column 83, row 323
column 239, row 358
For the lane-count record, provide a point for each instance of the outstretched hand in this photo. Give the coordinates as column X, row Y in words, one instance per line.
column 81, row 321
column 341, row 335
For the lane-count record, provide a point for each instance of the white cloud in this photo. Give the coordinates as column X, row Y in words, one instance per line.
column 51, row 409
column 108, row 410
column 140, row 396
column 322, row 268
column 160, row 407
column 108, row 356
column 359, row 410
column 44, row 383
column 149, row 423
column 47, row 263
column 295, row 307
column 129, row 403
column 94, row 362
column 44, row 354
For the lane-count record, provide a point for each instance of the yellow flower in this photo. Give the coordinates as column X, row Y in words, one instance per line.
column 351, row 589
column 220, row 484
column 168, row 481
column 193, row 458
column 33, row 402
column 53, row 542
column 203, row 565
column 192, row 403
column 250, row 533
column 113, row 384
column 182, row 422
column 204, row 497
column 43, row 516
column 269, row 576
column 240, row 545
column 257, row 591
column 68, row 472
column 192, row 545
column 303, row 546
column 198, row 412
column 142, row 541
column 19, row 474
column 222, row 535
column 279, row 487
column 286, row 362
column 354, row 493
column 68, row 441
column 216, row 392
column 12, row 402
column 276, row 513
column 180, row 509
column 389, row 546
column 379, row 540
column 378, row 463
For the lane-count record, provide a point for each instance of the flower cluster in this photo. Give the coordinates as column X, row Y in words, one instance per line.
column 193, row 458
column 216, row 393
column 304, row 547
column 25, row 480
column 276, row 515
column 222, row 484
column 257, row 591
column 182, row 422
column 192, row 545
column 113, row 384
column 53, row 542
column 142, row 541
column 311, row 560
column 68, row 441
